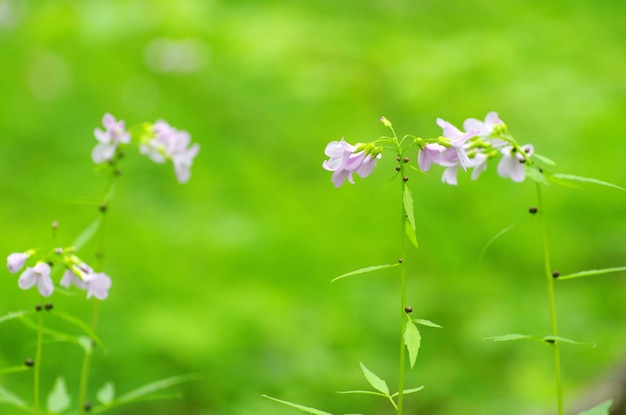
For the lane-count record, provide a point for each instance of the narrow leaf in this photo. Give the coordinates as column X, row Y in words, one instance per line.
column 365, row 270
column 14, row 369
column 543, row 159
column 152, row 387
column 535, row 175
column 587, row 180
column 58, row 399
column 552, row 339
column 410, row 232
column 10, row 398
column 412, row 340
column 426, row 323
column 407, row 200
column 407, row 391
column 364, row 393
column 494, row 238
column 80, row 324
column 88, row 233
column 600, row 409
column 13, row 315
column 300, row 407
column 106, row 394
column 376, row 382
column 508, row 337
column 591, row 272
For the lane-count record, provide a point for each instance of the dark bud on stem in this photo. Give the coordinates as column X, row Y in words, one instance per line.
column 540, row 170
column 532, row 209
column 400, row 260
column 38, row 307
column 551, row 341
column 88, row 405
column 103, row 208
column 398, row 158
column 405, row 178
column 48, row 306
column 406, row 159
column 555, row 274
column 398, row 168
column 117, row 172
column 29, row 362
column 408, row 309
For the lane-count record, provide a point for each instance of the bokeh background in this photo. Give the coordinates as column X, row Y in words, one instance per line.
column 228, row 275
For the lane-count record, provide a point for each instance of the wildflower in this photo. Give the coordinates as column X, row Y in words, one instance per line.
column 169, row 143
column 429, row 154
column 16, row 260
column 484, row 129
column 346, row 159
column 512, row 163
column 455, row 139
column 97, row 284
column 109, row 139
column 39, row 275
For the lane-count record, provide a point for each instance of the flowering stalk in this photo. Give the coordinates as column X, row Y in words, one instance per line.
column 551, row 300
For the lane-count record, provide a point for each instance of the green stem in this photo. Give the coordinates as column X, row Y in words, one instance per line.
column 402, row 298
column 552, row 302
column 37, row 371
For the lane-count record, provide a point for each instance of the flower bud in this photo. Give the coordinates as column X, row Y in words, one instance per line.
column 532, row 209
column 48, row 306
column 400, row 260
column 38, row 307
column 398, row 168
column 29, row 362
column 88, row 405
column 405, row 178
column 385, row 122
column 556, row 274
column 408, row 309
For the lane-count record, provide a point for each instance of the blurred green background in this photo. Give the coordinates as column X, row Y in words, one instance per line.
column 228, row 275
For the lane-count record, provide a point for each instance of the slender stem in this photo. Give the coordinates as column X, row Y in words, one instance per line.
column 37, row 371
column 552, row 302
column 402, row 298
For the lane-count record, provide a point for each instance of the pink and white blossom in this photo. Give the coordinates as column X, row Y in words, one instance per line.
column 97, row 284
column 483, row 128
column 113, row 135
column 38, row 275
column 346, row 159
column 16, row 261
column 512, row 163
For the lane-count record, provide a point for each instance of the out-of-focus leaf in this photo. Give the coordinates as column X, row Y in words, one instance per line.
column 600, row 409
column 591, row 272
column 10, row 398
column 13, row 315
column 300, row 407
column 427, row 323
column 106, row 394
column 407, row 391
column 365, row 270
column 586, row 180
column 58, row 398
column 88, row 233
column 508, row 337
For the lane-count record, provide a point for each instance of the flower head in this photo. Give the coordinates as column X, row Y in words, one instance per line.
column 168, row 143
column 16, row 260
column 109, row 139
column 512, row 163
column 346, row 159
column 38, row 275
column 97, row 284
column 484, row 129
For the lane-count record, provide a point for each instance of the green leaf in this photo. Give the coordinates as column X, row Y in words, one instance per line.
column 80, row 324
column 87, row 233
column 410, row 232
column 535, row 174
column 426, row 323
column 142, row 391
column 10, row 398
column 591, row 272
column 14, row 369
column 13, row 315
column 508, row 337
column 58, row 399
column 412, row 340
column 552, row 339
column 376, row 382
column 543, row 159
column 494, row 238
column 106, row 394
column 586, row 179
column 365, row 270
column 300, row 407
column 407, row 391
column 600, row 409
column 364, row 393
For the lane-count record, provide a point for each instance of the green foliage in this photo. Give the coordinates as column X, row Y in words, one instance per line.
column 58, row 398
column 600, row 409
column 365, row 270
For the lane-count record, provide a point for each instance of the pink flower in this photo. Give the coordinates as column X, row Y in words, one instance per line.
column 171, row 144
column 109, row 139
column 344, row 160
column 39, row 275
column 16, row 261
column 512, row 163
column 97, row 284
column 486, row 128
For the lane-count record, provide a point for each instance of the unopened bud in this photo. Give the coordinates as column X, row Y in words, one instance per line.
column 38, row 307
column 532, row 209
column 385, row 122
column 400, row 260
column 556, row 274
column 406, row 159
column 405, row 178
column 398, row 168
column 408, row 309
column 88, row 405
column 103, row 208
column 48, row 306
column 29, row 362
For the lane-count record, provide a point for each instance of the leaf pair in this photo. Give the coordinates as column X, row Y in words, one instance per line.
column 413, row 338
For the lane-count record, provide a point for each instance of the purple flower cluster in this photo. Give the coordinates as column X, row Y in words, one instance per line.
column 346, row 159
column 97, row 284
column 161, row 143
column 481, row 141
